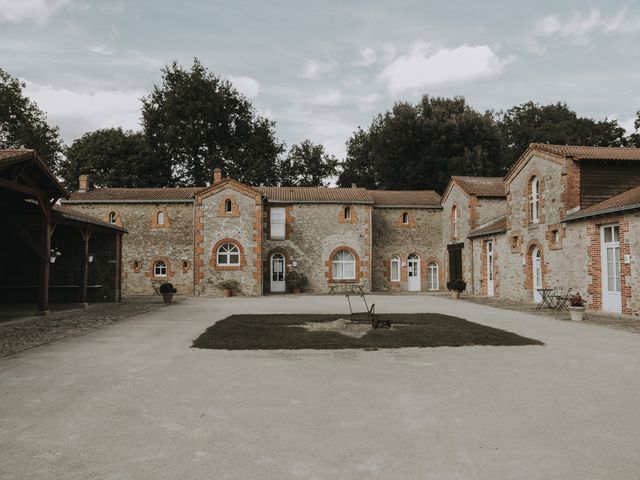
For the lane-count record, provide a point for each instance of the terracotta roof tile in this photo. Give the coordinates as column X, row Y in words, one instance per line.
column 580, row 152
column 628, row 200
column 72, row 214
column 315, row 194
column 11, row 155
column 405, row 198
column 482, row 186
column 499, row 225
column 135, row 194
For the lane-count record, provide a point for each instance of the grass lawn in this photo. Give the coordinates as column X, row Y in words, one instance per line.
column 290, row 332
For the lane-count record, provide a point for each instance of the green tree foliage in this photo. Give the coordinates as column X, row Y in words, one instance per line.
column 556, row 124
column 634, row 138
column 24, row 125
column 421, row 146
column 196, row 121
column 307, row 165
column 113, row 157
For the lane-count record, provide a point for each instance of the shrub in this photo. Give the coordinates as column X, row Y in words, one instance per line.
column 167, row 288
column 297, row 279
column 231, row 285
column 457, row 285
column 576, row 300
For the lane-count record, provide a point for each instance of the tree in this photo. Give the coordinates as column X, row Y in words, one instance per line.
column 307, row 165
column 634, row 138
column 113, row 157
column 421, row 146
column 554, row 123
column 24, row 125
column 196, row 121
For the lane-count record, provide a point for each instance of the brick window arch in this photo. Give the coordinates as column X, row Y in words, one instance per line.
column 228, row 207
column 228, row 254
column 534, row 199
column 455, row 222
column 343, row 265
column 159, row 269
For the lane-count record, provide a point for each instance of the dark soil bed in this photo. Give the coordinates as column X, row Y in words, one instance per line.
column 279, row 331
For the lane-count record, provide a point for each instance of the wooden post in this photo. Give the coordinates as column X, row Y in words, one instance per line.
column 45, row 263
column 118, row 279
column 86, row 236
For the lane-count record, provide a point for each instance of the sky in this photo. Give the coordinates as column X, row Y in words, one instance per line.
column 320, row 69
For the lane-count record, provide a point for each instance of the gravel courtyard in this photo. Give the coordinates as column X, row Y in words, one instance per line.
column 132, row 401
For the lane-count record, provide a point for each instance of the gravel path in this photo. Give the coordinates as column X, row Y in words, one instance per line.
column 31, row 332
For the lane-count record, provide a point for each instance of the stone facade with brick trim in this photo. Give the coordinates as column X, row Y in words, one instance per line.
column 421, row 235
column 146, row 243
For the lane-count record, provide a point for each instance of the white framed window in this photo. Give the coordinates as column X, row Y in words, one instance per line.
column 395, row 269
column 277, row 223
column 432, row 276
column 228, row 255
column 347, row 213
column 159, row 269
column 227, row 206
column 405, row 218
column 454, row 219
column 160, row 218
column 344, row 265
column 534, row 198
column 112, row 217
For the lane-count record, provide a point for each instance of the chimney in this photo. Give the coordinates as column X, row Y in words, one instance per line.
column 83, row 183
column 217, row 176
column 353, row 185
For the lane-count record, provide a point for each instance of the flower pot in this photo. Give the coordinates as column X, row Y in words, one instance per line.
column 577, row 313
column 228, row 293
column 296, row 290
column 167, row 297
column 455, row 294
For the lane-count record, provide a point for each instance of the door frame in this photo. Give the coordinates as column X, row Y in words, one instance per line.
column 410, row 262
column 611, row 301
column 536, row 280
column 284, row 273
column 490, row 269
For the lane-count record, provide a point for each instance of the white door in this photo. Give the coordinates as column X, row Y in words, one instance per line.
column 490, row 289
column 536, row 264
column 277, row 273
column 610, row 241
column 413, row 273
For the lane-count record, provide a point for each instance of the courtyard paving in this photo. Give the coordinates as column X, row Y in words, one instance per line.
column 133, row 401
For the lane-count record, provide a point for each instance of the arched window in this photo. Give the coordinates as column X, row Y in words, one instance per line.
column 112, row 217
column 159, row 269
column 534, row 198
column 432, row 276
column 227, row 206
column 405, row 218
column 395, row 269
column 347, row 213
column 344, row 265
column 160, row 218
column 454, row 220
column 228, row 254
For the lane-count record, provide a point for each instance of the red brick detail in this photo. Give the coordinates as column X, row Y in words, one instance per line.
column 118, row 218
column 515, row 242
column 441, row 280
column 198, row 248
column 154, row 219
column 550, row 236
column 213, row 261
column 185, row 266
column 528, row 266
column 342, row 217
column 288, row 222
column 410, row 224
column 474, row 214
column 571, row 186
column 150, row 273
column 625, row 269
column 455, row 211
column 257, row 242
column 136, row 265
column 526, row 218
column 329, row 266
column 222, row 211
column 594, row 268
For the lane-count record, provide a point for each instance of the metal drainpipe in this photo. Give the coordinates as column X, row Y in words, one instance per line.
column 193, row 258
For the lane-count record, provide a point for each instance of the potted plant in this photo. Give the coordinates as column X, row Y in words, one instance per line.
column 167, row 291
column 456, row 287
column 296, row 281
column 576, row 307
column 229, row 287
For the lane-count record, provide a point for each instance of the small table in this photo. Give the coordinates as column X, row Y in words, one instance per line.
column 547, row 298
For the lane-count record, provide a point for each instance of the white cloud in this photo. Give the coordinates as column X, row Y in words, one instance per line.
column 248, row 86
column 314, row 68
column 329, row 98
column 370, row 56
column 422, row 67
column 39, row 11
column 78, row 112
column 100, row 49
column 578, row 26
column 628, row 124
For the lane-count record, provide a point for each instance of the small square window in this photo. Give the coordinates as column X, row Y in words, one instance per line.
column 185, row 264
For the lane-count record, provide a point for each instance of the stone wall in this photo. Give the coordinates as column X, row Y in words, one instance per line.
column 314, row 232
column 241, row 227
column 458, row 198
column 147, row 242
column 422, row 235
column 501, row 255
column 489, row 209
